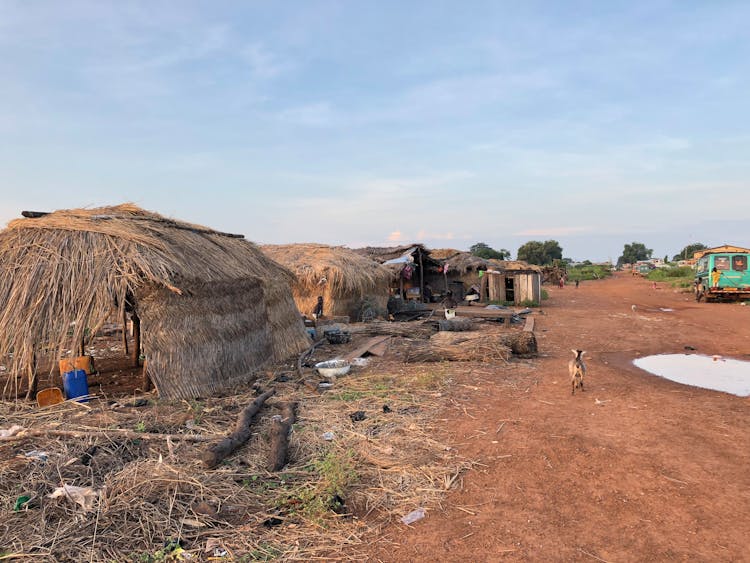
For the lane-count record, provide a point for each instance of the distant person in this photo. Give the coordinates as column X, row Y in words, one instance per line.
column 427, row 293
column 318, row 311
column 715, row 277
column 562, row 282
column 698, row 285
column 577, row 282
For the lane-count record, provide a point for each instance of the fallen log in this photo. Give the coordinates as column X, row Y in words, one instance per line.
column 281, row 425
column 129, row 434
column 456, row 325
column 217, row 452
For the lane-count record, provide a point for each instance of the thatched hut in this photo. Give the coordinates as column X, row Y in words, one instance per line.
column 212, row 307
column 349, row 283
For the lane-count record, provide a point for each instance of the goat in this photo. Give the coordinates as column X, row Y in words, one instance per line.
column 577, row 370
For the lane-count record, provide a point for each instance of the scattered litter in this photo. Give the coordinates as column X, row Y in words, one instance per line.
column 215, row 548
column 324, row 385
column 413, row 516
column 333, row 368
column 689, row 348
column 360, row 362
column 598, row 402
column 193, row 523
column 328, row 436
column 37, row 455
column 12, row 431
column 358, row 416
column 386, row 409
column 21, row 503
column 83, row 496
column 272, row 522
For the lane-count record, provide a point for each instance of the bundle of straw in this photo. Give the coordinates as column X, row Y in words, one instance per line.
column 456, row 347
column 406, row 330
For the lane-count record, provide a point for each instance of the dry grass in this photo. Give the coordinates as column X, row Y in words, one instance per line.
column 155, row 492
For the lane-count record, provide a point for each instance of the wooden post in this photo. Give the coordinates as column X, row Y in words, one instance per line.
column 136, row 352
column 125, row 332
column 33, row 379
column 421, row 276
column 146, row 383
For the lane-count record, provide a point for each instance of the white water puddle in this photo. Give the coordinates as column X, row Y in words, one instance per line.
column 709, row 372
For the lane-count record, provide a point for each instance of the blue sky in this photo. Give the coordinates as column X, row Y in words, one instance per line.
column 592, row 123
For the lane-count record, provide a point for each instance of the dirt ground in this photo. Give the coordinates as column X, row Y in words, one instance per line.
column 637, row 468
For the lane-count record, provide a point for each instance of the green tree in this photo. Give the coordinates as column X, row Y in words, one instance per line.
column 540, row 253
column 485, row 251
column 633, row 252
column 687, row 252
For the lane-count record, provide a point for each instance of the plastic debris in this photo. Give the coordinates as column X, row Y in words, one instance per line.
column 86, row 497
column 358, row 416
column 328, row 436
column 414, row 516
column 12, row 431
column 21, row 503
column 37, row 455
column 215, row 548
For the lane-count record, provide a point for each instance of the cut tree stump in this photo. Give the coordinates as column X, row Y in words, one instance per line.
column 219, row 451
column 281, row 425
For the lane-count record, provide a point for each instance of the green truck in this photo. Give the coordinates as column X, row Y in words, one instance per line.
column 733, row 280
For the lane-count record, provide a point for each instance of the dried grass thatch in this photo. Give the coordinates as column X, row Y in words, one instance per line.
column 459, row 261
column 212, row 306
column 346, row 280
column 454, row 347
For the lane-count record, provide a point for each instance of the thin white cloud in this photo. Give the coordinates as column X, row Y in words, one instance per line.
column 317, row 114
column 263, row 62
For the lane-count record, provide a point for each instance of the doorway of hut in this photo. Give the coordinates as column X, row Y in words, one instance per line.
column 510, row 294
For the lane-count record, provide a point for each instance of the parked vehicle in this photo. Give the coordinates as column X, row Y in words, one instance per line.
column 733, row 280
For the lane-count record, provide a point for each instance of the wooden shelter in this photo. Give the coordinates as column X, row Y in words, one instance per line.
column 212, row 307
column 408, row 266
column 514, row 281
column 350, row 284
column 511, row 281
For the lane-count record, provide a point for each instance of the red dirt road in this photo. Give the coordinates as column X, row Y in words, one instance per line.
column 637, row 468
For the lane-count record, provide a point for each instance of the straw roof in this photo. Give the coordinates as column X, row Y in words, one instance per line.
column 514, row 266
column 343, row 277
column 460, row 261
column 212, row 305
column 345, row 272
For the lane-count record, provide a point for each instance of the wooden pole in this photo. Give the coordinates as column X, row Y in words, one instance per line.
column 136, row 352
column 125, row 332
column 281, row 425
column 421, row 277
column 33, row 379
